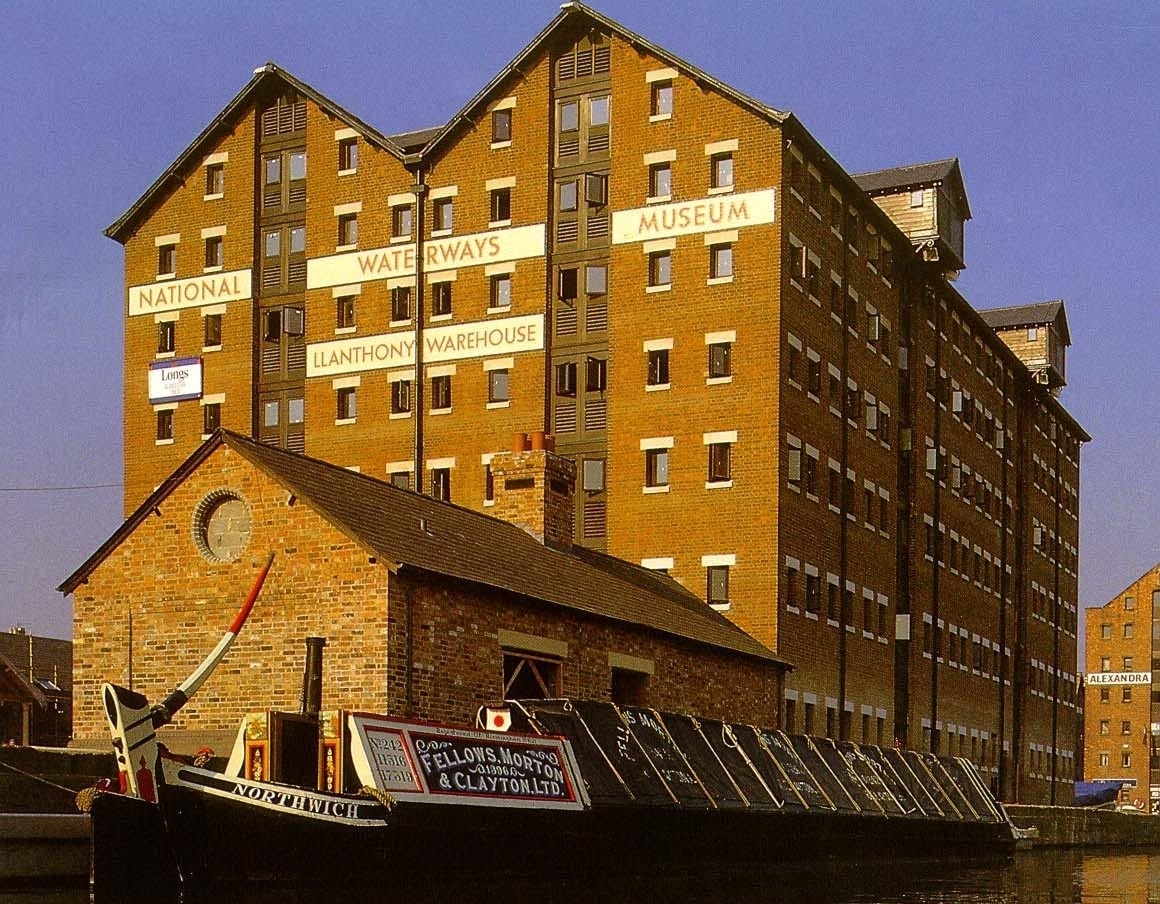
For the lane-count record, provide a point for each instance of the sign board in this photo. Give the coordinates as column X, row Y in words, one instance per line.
column 712, row 214
column 442, row 343
column 450, row 253
column 174, row 380
column 459, row 766
column 175, row 294
column 1119, row 678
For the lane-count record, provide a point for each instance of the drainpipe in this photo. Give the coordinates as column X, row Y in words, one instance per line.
column 418, row 395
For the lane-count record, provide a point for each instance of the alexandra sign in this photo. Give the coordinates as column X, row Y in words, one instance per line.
column 712, row 214
column 175, row 380
column 496, row 247
column 443, row 343
column 1119, row 678
column 174, row 294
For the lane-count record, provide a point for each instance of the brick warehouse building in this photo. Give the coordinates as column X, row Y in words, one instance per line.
column 1121, row 709
column 429, row 609
column 769, row 384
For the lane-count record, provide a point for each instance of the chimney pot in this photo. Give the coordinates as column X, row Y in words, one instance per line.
column 519, row 442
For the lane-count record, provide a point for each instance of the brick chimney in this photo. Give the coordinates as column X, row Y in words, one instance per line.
column 534, row 488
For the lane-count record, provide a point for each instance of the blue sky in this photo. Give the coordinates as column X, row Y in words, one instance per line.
column 1052, row 110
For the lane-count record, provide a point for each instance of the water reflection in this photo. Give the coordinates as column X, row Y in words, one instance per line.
column 1043, row 877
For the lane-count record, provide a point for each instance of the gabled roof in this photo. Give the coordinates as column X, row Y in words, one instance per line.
column 415, row 531
column 918, row 175
column 13, row 686
column 574, row 16
column 1036, row 314
column 265, row 78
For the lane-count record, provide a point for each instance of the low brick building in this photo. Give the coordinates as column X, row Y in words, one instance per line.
column 428, row 609
column 35, row 689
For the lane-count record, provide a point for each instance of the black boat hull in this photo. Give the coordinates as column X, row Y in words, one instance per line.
column 209, row 839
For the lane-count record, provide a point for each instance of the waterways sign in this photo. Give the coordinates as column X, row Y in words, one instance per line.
column 1120, row 678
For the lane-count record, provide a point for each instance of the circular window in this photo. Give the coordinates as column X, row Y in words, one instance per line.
column 221, row 526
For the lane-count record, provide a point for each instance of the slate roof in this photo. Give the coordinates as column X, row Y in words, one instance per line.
column 901, row 178
column 411, row 530
column 1035, row 314
column 14, row 687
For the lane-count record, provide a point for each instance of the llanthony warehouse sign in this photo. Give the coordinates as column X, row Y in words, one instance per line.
column 444, row 343
column 450, row 253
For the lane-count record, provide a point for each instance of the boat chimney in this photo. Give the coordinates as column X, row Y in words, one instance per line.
column 312, row 677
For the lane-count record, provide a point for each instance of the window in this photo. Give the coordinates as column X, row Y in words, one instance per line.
column 165, row 424
column 1130, row 602
column 1127, row 663
column 658, row 367
column 214, row 248
column 211, row 417
column 568, row 285
column 720, row 261
column 598, row 110
column 660, row 268
column 501, row 125
column 400, row 397
column 720, row 462
column 1129, row 629
column 501, row 291
column 595, row 189
column 1126, row 727
column 593, row 479
column 660, row 180
column 401, row 221
column 1105, row 663
column 444, row 212
column 1105, row 695
column 797, row 262
column 213, row 330
column 441, row 484
column 566, row 378
column 497, row 385
column 501, row 205
column 441, row 299
column 717, row 589
column 1125, row 758
column 348, row 155
column 488, row 483
column 166, row 260
column 721, row 171
column 347, row 405
column 1126, row 694
column 400, row 479
column 166, row 337
column 720, row 360
column 656, row 467
column 596, row 280
column 569, row 194
column 661, row 103
column 344, row 312
column 814, row 384
column 401, row 303
column 441, row 392
column 570, row 116
column 530, row 678
column 215, row 179
column 596, row 375
column 348, row 229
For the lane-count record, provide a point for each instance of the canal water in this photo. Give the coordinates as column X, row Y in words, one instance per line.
column 1060, row 877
